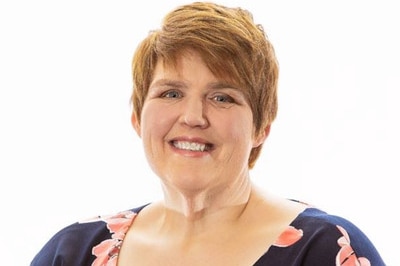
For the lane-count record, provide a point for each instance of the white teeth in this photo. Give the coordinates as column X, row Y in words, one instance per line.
column 191, row 146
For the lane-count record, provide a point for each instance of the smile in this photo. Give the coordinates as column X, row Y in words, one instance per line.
column 191, row 146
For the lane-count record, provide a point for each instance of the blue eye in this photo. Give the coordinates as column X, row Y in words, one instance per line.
column 223, row 98
column 171, row 94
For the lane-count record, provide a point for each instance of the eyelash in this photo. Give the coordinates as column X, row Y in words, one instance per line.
column 226, row 98
column 168, row 93
column 219, row 98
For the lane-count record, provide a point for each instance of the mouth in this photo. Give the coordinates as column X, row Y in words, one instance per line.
column 191, row 146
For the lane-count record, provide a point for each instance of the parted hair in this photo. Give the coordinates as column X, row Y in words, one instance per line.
column 230, row 43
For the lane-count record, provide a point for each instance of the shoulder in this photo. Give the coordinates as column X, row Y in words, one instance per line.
column 325, row 233
column 73, row 244
column 316, row 218
column 318, row 222
column 315, row 237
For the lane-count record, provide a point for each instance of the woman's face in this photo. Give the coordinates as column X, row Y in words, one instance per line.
column 197, row 130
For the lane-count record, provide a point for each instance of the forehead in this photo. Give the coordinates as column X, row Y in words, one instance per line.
column 178, row 63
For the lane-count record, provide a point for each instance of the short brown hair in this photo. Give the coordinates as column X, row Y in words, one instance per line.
column 231, row 45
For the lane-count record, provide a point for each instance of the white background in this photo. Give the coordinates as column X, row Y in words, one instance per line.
column 68, row 152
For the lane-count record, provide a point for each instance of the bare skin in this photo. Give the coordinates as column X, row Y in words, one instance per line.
column 236, row 235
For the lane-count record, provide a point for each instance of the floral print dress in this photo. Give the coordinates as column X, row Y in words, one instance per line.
column 314, row 238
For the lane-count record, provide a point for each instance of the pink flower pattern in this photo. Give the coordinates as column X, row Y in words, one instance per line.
column 346, row 255
column 107, row 251
column 288, row 237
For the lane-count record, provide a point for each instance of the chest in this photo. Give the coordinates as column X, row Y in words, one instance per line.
column 234, row 248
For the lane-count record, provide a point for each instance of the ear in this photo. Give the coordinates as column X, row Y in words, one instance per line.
column 258, row 140
column 135, row 123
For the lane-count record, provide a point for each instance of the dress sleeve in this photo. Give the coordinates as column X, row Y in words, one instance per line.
column 322, row 239
column 333, row 240
column 72, row 245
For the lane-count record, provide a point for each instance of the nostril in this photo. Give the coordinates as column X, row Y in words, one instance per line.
column 195, row 120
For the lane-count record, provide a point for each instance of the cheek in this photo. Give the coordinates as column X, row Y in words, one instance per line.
column 240, row 126
column 156, row 121
column 236, row 130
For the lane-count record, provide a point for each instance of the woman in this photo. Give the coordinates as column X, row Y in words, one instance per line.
column 205, row 96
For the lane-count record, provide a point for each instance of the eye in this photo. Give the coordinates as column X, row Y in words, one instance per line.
column 223, row 98
column 171, row 94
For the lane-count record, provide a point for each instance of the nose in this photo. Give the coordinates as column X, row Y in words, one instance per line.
column 194, row 113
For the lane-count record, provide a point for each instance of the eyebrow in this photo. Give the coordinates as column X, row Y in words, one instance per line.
column 223, row 85
column 180, row 84
column 168, row 82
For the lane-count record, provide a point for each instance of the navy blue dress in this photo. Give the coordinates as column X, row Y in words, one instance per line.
column 314, row 238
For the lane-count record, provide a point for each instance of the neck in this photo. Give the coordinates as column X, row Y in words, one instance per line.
column 197, row 205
